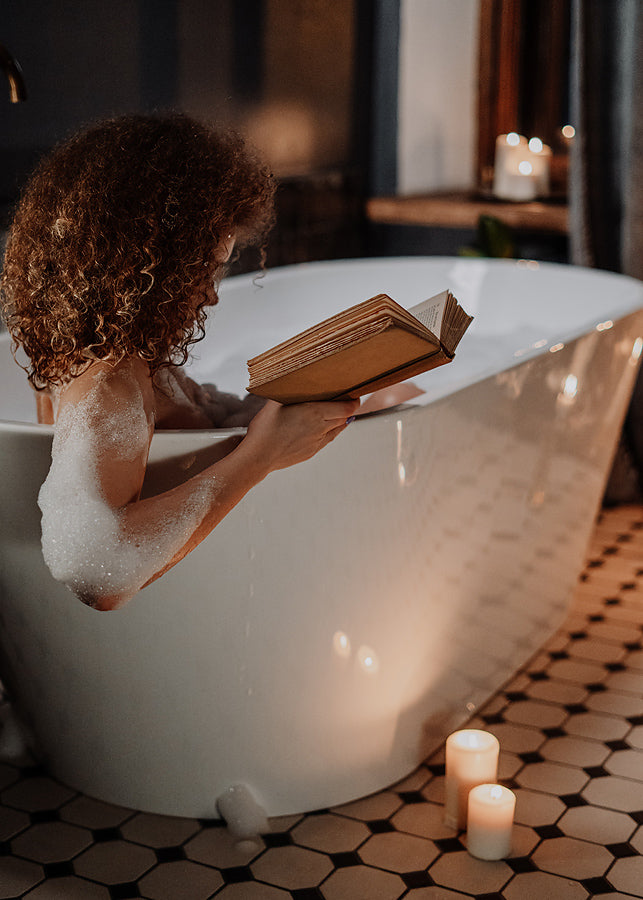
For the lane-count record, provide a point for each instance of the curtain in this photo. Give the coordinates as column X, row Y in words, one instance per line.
column 606, row 186
column 606, row 180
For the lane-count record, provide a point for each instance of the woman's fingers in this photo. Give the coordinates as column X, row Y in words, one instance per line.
column 285, row 435
column 335, row 412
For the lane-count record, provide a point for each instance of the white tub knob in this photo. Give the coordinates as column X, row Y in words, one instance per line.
column 15, row 740
column 244, row 817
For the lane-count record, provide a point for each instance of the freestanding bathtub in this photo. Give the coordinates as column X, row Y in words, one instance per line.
column 354, row 609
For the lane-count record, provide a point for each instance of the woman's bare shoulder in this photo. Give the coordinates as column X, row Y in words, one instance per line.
column 104, row 423
column 112, row 385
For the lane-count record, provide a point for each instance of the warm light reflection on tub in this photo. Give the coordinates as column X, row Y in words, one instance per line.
column 342, row 644
column 368, row 660
column 401, row 468
column 570, row 386
column 568, row 391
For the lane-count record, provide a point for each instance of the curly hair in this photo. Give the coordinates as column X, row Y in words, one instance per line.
column 112, row 249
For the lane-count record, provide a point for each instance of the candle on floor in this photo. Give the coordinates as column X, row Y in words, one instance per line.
column 490, row 821
column 471, row 759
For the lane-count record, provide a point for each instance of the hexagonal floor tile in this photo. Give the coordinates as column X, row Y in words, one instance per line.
column 462, row 872
column 292, row 867
column 330, row 833
column 541, row 885
column 627, row 875
column 68, row 888
column 572, row 858
column 36, row 793
column 552, row 778
column 180, row 880
column 423, row 819
column 398, row 852
column 51, row 842
column 362, row 881
column 628, row 763
column 217, row 847
column 614, row 792
column 17, row 876
column 114, row 862
column 159, row 831
column 591, row 823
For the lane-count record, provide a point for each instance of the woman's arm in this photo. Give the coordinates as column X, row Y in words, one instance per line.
column 278, row 437
column 103, row 541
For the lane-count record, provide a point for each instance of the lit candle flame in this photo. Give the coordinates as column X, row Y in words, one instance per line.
column 469, row 738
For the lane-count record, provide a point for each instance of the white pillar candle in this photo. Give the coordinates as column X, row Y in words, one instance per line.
column 490, row 821
column 510, row 150
column 519, row 185
column 540, row 159
column 521, row 167
column 471, row 759
column 508, row 147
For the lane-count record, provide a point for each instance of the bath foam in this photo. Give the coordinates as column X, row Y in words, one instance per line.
column 87, row 544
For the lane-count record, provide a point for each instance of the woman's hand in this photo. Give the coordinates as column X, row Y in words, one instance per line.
column 281, row 436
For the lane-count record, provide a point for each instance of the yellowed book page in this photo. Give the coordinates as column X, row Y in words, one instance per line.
column 341, row 323
column 431, row 312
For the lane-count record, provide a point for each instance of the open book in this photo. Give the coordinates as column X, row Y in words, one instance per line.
column 370, row 346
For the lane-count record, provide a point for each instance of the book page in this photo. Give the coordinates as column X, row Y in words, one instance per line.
column 431, row 312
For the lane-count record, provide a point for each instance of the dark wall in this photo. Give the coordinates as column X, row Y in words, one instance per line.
column 294, row 75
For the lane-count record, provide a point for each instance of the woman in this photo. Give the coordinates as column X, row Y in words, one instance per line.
column 117, row 249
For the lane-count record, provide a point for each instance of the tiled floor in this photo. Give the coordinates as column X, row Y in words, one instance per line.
column 570, row 727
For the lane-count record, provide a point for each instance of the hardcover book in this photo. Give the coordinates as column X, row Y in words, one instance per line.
column 369, row 346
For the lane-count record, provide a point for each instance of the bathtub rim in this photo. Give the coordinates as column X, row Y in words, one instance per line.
column 522, row 264
column 448, row 380
column 20, row 427
column 433, row 387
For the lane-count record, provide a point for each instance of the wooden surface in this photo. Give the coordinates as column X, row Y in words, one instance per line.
column 462, row 210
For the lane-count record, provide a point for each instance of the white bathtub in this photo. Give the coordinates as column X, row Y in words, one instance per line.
column 356, row 608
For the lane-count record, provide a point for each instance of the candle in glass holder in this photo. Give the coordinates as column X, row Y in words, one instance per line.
column 471, row 759
column 490, row 821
